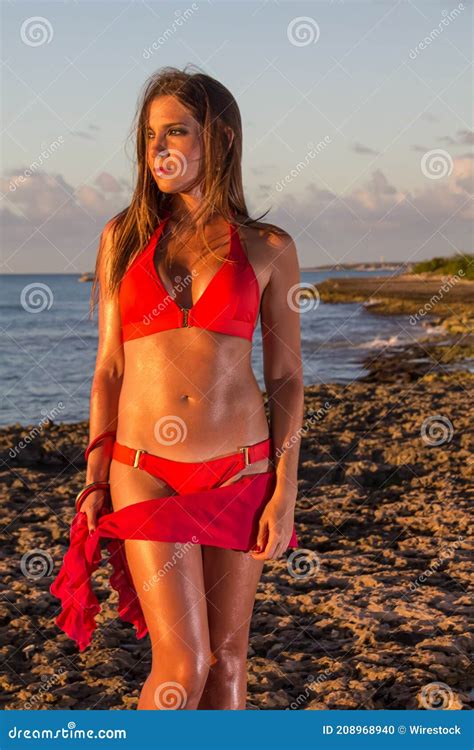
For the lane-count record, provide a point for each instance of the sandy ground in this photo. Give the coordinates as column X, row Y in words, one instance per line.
column 372, row 611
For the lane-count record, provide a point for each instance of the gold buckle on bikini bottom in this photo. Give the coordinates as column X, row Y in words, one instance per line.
column 136, row 460
column 245, row 450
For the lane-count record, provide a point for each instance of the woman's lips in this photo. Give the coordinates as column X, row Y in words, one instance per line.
column 162, row 165
column 165, row 172
column 170, row 164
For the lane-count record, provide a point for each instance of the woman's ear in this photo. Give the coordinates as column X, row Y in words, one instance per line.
column 230, row 134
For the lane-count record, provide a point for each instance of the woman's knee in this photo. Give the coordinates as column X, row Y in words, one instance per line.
column 192, row 670
column 226, row 685
column 179, row 677
column 231, row 656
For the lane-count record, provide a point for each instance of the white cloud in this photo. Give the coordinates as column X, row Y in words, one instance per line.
column 380, row 219
column 108, row 183
column 51, row 226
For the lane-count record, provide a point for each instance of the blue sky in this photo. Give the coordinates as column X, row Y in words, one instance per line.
column 393, row 119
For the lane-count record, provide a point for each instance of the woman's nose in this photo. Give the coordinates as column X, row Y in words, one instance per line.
column 159, row 152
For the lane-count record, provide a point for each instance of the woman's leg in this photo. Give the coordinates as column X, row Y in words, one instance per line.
column 231, row 580
column 169, row 582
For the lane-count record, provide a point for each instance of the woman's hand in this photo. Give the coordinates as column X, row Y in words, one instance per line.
column 92, row 506
column 275, row 527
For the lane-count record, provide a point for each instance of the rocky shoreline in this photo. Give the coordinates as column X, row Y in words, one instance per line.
column 443, row 302
column 373, row 609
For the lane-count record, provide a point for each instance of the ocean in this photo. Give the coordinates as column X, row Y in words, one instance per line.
column 49, row 344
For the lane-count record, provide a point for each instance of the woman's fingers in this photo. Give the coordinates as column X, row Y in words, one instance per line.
column 267, row 544
column 272, row 548
column 91, row 507
column 91, row 514
column 272, row 545
column 257, row 550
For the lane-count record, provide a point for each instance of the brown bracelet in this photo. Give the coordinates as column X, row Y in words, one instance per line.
column 98, row 439
column 87, row 490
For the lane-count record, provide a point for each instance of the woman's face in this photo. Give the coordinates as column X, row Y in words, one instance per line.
column 173, row 144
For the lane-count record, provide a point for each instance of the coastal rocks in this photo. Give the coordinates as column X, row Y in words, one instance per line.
column 403, row 290
column 372, row 609
column 45, row 444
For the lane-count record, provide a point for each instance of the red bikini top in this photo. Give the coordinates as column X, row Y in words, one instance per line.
column 229, row 304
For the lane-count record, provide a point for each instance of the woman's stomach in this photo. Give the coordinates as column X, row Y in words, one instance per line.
column 189, row 395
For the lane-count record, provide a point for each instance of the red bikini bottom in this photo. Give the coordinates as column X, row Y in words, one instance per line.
column 193, row 476
column 202, row 512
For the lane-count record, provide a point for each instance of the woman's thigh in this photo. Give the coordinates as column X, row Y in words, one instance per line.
column 230, row 580
column 168, row 577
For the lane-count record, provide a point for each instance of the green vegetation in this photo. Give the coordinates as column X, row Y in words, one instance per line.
column 449, row 266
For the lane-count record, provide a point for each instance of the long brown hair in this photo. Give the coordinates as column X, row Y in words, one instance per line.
column 220, row 175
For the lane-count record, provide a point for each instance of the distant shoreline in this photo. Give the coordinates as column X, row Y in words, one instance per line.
column 404, row 266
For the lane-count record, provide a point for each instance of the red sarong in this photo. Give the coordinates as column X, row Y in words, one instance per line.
column 221, row 517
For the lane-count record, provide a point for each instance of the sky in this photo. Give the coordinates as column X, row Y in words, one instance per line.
column 357, row 120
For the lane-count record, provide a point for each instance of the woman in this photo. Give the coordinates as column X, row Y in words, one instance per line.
column 201, row 492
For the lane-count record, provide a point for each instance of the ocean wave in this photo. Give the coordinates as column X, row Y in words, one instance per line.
column 378, row 342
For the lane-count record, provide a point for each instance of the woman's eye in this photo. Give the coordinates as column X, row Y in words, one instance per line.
column 173, row 130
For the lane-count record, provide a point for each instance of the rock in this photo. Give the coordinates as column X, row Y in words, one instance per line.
column 274, row 700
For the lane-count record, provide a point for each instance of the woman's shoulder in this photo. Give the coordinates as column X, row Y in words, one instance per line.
column 105, row 253
column 267, row 247
column 264, row 238
column 110, row 228
column 108, row 236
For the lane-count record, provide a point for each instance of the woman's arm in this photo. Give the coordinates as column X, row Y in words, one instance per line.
column 107, row 380
column 283, row 375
